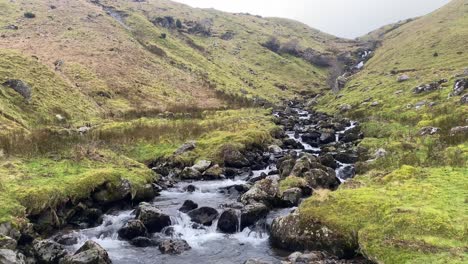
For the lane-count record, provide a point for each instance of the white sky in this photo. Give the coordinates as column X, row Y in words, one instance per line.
column 343, row 18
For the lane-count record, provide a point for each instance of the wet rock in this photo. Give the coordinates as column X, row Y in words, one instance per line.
column 234, row 158
column 258, row 178
column 66, row 239
column 185, row 148
column 327, row 136
column 403, row 78
column 460, row 86
column 7, row 242
column 8, row 256
column 48, row 251
column 311, row 137
column 329, row 161
column 290, row 233
column 275, row 149
column 285, row 166
column 320, row 179
column 153, row 218
column 145, row 193
column 303, row 164
column 132, row 229
column 460, row 130
column 143, row 242
column 111, row 193
column 173, row 246
column 292, row 144
column 190, row 173
column 428, row 131
column 291, row 197
column 202, row 165
column 188, row 206
column 203, row 215
column 228, row 222
column 90, row 253
column 264, row 191
column 213, row 173
column 252, row 213
column 190, row 188
column 347, row 158
column 20, row 87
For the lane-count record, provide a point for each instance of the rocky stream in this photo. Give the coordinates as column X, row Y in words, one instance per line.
column 210, row 213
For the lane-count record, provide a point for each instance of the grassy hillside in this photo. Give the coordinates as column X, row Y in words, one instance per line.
column 409, row 206
column 89, row 61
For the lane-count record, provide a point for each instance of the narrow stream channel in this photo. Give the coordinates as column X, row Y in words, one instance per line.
column 208, row 245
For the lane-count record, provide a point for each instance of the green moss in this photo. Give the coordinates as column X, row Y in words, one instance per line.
column 292, row 182
column 405, row 218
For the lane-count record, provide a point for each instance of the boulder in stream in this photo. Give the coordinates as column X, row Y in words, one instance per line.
column 229, row 221
column 90, row 253
column 48, row 251
column 264, row 191
column 213, row 173
column 203, row 215
column 132, row 229
column 252, row 213
column 291, row 197
column 8, row 256
column 173, row 246
column 152, row 217
column 234, row 158
column 188, row 205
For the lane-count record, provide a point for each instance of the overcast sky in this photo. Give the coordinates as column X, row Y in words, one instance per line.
column 343, row 18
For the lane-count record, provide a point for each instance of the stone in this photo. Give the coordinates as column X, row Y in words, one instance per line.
column 188, row 206
column 90, row 253
column 288, row 232
column 321, row 179
column 327, row 136
column 202, row 165
column 426, row 87
column 376, row 103
column 48, row 251
column 252, row 213
column 291, row 197
column 20, row 87
column 132, row 229
column 459, row 87
column 460, row 130
column 264, row 191
column 143, row 242
column 203, row 215
column 8, row 256
column 111, row 193
column 173, row 246
column 188, row 146
column 234, row 158
column 145, row 193
column 152, row 218
column 329, row 161
column 275, row 149
column 7, row 242
column 428, row 131
column 229, row 222
column 66, row 239
column 403, row 78
column 190, row 173
column 347, row 158
column 213, row 173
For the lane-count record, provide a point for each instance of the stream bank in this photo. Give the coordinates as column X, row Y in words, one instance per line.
column 212, row 213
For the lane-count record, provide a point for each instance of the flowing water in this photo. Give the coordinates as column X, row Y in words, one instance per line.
column 208, row 245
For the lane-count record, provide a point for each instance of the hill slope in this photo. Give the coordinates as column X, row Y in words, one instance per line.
column 409, row 204
column 128, row 58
